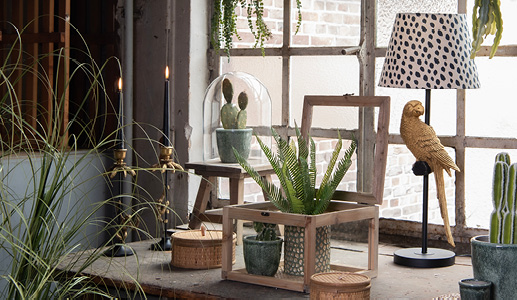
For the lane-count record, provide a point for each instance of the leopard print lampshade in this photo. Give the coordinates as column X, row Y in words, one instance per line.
column 429, row 51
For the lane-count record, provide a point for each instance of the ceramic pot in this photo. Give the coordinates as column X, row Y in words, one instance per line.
column 227, row 139
column 262, row 257
column 294, row 250
column 496, row 263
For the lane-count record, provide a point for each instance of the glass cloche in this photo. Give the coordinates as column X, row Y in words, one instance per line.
column 237, row 106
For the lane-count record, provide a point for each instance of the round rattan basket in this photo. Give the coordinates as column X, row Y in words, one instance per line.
column 340, row 285
column 194, row 250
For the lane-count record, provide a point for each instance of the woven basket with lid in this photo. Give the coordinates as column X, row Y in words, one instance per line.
column 340, row 285
column 197, row 249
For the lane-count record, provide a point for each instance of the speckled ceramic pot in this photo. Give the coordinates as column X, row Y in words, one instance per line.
column 262, row 257
column 227, row 139
column 496, row 263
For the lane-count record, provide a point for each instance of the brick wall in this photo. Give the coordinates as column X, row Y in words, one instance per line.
column 336, row 23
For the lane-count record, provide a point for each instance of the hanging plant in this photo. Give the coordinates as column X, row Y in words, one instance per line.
column 486, row 20
column 224, row 19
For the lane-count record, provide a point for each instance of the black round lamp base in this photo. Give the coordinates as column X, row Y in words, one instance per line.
column 118, row 250
column 434, row 258
column 163, row 245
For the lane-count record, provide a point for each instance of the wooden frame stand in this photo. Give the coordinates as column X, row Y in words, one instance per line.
column 337, row 213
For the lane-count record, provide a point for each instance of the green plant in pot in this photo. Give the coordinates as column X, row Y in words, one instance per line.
column 295, row 166
column 494, row 257
column 234, row 134
column 262, row 251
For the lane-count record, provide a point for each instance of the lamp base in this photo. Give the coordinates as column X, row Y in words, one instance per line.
column 434, row 258
column 118, row 251
column 163, row 245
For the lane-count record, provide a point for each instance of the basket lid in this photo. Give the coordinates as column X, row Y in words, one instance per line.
column 197, row 235
column 340, row 279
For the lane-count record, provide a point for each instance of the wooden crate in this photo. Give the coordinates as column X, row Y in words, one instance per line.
column 337, row 213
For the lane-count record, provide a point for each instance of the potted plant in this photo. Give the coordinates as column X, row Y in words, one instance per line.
column 262, row 251
column 234, row 134
column 494, row 256
column 295, row 166
column 486, row 20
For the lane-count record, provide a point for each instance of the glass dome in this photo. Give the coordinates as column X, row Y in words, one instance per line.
column 258, row 112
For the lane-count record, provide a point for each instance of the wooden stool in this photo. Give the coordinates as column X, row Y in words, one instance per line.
column 212, row 169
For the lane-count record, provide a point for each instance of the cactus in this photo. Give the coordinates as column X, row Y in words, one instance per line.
column 231, row 116
column 502, row 218
column 242, row 116
column 265, row 231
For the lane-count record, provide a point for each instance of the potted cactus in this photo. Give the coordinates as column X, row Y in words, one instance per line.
column 234, row 133
column 494, row 257
column 262, row 251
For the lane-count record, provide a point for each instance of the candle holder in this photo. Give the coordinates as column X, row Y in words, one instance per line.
column 125, row 220
column 165, row 165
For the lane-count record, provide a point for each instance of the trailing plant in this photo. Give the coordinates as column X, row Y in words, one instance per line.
column 224, row 22
column 265, row 231
column 231, row 116
column 486, row 20
column 504, row 194
column 296, row 170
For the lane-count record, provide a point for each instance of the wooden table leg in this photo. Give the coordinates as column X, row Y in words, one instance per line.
column 237, row 197
column 201, row 202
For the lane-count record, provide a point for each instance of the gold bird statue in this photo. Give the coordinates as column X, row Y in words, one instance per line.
column 422, row 141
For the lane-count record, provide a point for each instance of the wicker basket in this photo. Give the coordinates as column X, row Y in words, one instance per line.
column 340, row 285
column 193, row 250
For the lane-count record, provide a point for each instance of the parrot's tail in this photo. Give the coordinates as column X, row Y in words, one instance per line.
column 442, row 200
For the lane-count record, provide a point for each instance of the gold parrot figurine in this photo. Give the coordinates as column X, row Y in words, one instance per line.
column 422, row 141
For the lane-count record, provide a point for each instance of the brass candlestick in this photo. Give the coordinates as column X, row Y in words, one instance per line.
column 162, row 206
column 125, row 220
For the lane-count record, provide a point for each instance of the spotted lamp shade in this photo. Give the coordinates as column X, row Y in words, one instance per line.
column 429, row 51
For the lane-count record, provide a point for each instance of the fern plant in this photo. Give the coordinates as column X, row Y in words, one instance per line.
column 296, row 170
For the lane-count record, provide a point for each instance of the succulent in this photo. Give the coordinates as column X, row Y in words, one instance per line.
column 231, row 116
column 504, row 193
column 265, row 231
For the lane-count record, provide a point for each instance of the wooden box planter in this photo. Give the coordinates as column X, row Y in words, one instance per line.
column 337, row 213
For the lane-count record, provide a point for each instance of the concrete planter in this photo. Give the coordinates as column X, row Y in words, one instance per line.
column 295, row 247
column 227, row 139
column 496, row 263
column 262, row 257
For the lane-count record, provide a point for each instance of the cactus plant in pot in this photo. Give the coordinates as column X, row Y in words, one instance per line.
column 295, row 167
column 234, row 134
column 494, row 257
column 262, row 251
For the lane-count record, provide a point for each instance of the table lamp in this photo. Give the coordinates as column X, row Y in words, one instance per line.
column 428, row 51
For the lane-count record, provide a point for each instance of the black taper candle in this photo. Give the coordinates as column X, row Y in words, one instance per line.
column 120, row 117
column 166, row 118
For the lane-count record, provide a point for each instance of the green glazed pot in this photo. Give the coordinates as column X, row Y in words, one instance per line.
column 496, row 263
column 227, row 139
column 262, row 257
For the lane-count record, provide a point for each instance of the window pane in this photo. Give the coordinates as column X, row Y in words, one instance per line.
column 322, row 75
column 387, row 9
column 478, row 184
column 266, row 69
column 443, row 104
column 490, row 110
column 327, row 23
column 508, row 10
column 403, row 190
column 273, row 16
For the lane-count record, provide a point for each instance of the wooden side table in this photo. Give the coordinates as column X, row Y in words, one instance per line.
column 210, row 171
